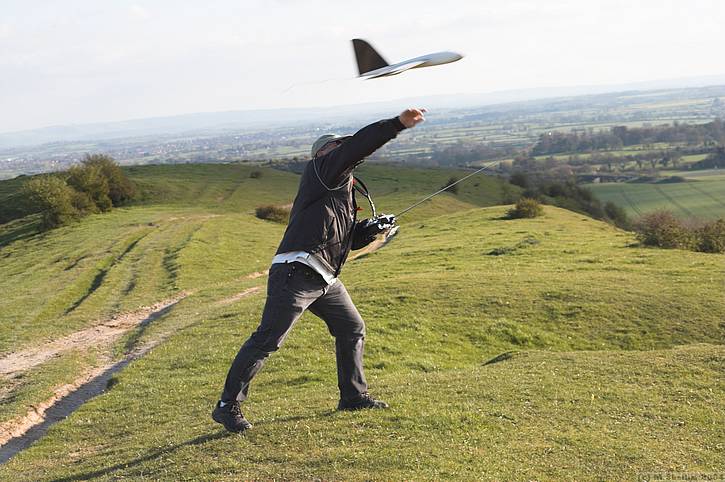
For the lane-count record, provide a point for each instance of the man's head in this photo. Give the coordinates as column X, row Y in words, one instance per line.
column 326, row 143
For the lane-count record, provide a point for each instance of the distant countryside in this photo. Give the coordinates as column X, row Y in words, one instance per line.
column 642, row 150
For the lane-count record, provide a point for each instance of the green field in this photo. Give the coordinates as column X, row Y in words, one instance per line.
column 702, row 197
column 613, row 364
column 705, row 175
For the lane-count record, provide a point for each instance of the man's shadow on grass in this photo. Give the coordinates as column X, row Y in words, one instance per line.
column 200, row 440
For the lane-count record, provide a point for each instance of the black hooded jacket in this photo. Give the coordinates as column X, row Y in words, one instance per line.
column 323, row 219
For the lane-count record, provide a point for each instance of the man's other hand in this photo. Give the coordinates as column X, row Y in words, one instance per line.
column 369, row 228
column 385, row 221
column 412, row 117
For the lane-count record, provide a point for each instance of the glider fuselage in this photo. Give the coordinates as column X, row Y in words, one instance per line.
column 429, row 60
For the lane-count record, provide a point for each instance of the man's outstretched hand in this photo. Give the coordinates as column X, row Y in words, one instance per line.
column 412, row 117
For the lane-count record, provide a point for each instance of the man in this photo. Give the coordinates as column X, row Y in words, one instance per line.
column 321, row 232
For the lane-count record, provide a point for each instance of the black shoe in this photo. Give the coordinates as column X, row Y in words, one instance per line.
column 231, row 417
column 361, row 402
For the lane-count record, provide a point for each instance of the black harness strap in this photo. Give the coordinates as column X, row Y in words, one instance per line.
column 363, row 189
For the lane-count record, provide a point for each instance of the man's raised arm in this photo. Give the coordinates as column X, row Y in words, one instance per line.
column 338, row 163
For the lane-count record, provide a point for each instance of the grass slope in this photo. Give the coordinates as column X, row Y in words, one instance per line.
column 192, row 228
column 617, row 368
column 193, row 225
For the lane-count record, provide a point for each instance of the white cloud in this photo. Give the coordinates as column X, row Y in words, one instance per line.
column 139, row 12
column 6, row 31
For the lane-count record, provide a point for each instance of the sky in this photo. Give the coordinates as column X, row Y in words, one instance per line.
column 82, row 61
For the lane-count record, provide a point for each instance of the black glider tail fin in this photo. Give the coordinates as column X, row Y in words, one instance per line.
column 367, row 58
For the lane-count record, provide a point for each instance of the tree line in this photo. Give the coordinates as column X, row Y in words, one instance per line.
column 714, row 160
column 462, row 153
column 617, row 137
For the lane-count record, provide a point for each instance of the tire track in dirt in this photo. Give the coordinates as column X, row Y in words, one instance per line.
column 18, row 434
column 255, row 275
column 103, row 272
column 102, row 333
column 170, row 258
column 243, row 294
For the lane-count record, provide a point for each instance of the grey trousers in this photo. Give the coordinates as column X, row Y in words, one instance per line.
column 293, row 288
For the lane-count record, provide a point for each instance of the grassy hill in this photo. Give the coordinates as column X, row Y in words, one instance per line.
column 702, row 197
column 193, row 227
column 613, row 362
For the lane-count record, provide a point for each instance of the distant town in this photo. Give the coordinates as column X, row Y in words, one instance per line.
column 450, row 137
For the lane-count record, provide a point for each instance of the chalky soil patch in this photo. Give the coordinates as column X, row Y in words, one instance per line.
column 17, row 435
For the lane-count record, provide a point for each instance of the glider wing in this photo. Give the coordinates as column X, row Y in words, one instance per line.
column 393, row 69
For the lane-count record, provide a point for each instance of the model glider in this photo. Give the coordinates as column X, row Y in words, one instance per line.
column 372, row 66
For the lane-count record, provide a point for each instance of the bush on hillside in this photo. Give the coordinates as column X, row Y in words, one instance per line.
column 664, row 230
column 53, row 199
column 83, row 203
column 525, row 208
column 711, row 237
column 452, row 189
column 278, row 214
column 569, row 195
column 672, row 180
column 716, row 160
column 120, row 188
column 255, row 174
column 532, row 193
column 617, row 215
column 91, row 181
column 95, row 185
column 520, row 179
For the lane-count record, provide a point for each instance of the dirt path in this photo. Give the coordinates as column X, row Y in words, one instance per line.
column 239, row 296
column 17, row 435
column 101, row 334
column 256, row 274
